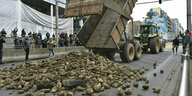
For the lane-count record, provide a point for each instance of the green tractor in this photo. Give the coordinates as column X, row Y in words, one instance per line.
column 150, row 39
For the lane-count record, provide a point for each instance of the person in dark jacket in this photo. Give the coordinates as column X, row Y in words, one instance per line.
column 17, row 42
column 23, row 33
column 38, row 42
column 15, row 32
column 53, row 36
column 3, row 33
column 1, row 48
column 185, row 39
column 175, row 45
column 44, row 43
column 47, row 35
column 39, row 35
column 34, row 35
column 61, row 42
column 30, row 34
column 26, row 46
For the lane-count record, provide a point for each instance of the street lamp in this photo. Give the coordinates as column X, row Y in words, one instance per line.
column 57, row 17
column 57, row 13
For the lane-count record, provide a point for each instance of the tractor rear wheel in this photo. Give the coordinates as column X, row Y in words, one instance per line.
column 128, row 52
column 154, row 45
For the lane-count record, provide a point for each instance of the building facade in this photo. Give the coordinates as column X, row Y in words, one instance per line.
column 160, row 18
column 136, row 27
column 177, row 27
column 46, row 9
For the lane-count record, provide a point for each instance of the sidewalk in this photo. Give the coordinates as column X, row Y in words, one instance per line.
column 15, row 55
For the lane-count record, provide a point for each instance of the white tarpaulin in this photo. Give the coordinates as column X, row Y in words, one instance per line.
column 14, row 13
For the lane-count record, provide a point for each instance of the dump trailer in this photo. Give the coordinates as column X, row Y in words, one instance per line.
column 105, row 25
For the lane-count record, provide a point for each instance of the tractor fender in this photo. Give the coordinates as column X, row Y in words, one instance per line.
column 152, row 35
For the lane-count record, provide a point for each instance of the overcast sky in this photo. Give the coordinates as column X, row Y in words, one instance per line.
column 174, row 9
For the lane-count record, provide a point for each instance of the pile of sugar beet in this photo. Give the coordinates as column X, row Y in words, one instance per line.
column 65, row 74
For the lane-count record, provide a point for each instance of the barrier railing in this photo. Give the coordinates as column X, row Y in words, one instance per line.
column 184, row 84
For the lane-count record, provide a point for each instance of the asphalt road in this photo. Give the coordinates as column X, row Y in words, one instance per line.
column 166, row 61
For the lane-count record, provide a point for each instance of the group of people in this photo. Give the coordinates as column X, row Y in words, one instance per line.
column 13, row 32
column 35, row 40
column 186, row 39
column 65, row 40
column 26, row 46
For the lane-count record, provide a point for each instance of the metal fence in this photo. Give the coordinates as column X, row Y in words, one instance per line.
column 184, row 84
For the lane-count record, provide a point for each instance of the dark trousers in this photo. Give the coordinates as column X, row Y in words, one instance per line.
column 184, row 48
column 190, row 49
column 175, row 46
column 1, row 55
column 27, row 54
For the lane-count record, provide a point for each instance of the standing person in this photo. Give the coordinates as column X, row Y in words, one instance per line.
column 17, row 42
column 1, row 48
column 67, row 41
column 30, row 34
column 53, row 36
column 61, row 42
column 38, row 42
column 185, row 40
column 50, row 46
column 26, row 46
column 3, row 33
column 47, row 35
column 34, row 35
column 23, row 33
column 190, row 45
column 44, row 43
column 32, row 43
column 39, row 35
column 15, row 32
column 175, row 45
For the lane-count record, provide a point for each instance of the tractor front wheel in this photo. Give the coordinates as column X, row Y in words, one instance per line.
column 154, row 45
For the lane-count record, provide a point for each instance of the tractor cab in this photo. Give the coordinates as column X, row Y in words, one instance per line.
column 148, row 29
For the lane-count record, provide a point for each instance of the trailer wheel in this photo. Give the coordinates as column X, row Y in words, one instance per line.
column 128, row 52
column 138, row 50
column 154, row 45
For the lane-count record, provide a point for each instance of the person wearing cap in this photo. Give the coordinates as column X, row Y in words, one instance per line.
column 1, row 48
column 26, row 46
column 50, row 46
column 185, row 39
